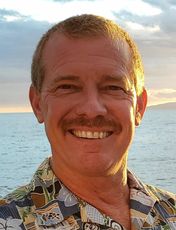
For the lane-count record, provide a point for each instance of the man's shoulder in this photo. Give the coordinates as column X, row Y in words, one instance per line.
column 16, row 196
column 152, row 191
column 162, row 195
column 16, row 209
column 24, row 192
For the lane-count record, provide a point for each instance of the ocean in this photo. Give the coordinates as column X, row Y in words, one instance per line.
column 152, row 156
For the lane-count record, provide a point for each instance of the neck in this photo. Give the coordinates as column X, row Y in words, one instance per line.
column 108, row 193
column 105, row 189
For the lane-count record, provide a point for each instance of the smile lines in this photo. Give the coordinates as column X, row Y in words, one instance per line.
column 90, row 135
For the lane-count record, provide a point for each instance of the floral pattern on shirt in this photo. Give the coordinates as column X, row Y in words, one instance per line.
column 9, row 224
column 47, row 204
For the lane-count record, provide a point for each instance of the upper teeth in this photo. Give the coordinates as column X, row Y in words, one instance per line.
column 89, row 134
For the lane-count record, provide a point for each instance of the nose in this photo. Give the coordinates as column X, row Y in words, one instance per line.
column 91, row 106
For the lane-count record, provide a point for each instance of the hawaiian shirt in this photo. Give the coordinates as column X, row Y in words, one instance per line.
column 47, row 204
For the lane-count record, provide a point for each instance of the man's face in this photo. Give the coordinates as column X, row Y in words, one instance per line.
column 88, row 103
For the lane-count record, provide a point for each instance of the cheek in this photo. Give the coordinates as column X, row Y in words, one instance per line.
column 55, row 111
column 52, row 106
column 124, row 109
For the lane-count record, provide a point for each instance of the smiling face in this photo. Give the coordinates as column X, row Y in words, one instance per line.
column 87, row 103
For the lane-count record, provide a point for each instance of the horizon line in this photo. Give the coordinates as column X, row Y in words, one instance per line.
column 28, row 109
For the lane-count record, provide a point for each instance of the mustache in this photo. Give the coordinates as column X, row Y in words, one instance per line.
column 97, row 122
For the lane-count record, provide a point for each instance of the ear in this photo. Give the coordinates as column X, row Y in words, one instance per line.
column 141, row 106
column 35, row 99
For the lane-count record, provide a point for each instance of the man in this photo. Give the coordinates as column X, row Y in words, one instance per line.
column 88, row 89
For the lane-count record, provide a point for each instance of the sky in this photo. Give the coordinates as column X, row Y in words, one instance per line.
column 151, row 23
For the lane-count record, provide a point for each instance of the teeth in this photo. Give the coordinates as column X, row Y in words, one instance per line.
column 96, row 135
column 90, row 135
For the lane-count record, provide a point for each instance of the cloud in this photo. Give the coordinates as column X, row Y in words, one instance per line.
column 17, row 43
column 60, row 10
column 162, row 23
column 18, row 39
column 162, row 4
column 141, row 28
column 10, row 15
column 167, row 21
column 156, row 39
column 157, row 96
column 70, row 0
column 150, row 22
column 163, row 92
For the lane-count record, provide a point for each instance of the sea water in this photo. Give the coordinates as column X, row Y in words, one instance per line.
column 152, row 156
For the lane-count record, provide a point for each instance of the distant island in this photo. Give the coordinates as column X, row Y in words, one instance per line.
column 170, row 105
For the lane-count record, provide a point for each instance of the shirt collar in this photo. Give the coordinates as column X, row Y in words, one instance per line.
column 142, row 202
column 54, row 202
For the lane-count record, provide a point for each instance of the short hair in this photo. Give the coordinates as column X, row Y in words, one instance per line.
column 87, row 26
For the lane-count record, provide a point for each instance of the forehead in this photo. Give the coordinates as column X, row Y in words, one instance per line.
column 61, row 51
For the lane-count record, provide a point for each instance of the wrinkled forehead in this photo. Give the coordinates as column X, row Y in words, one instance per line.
column 61, row 45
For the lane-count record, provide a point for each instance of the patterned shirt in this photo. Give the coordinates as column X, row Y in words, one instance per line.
column 47, row 204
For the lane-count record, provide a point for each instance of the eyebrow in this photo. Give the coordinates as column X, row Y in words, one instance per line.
column 65, row 77
column 106, row 77
column 60, row 78
column 120, row 78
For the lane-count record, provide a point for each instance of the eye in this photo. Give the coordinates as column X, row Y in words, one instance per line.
column 114, row 88
column 66, row 86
